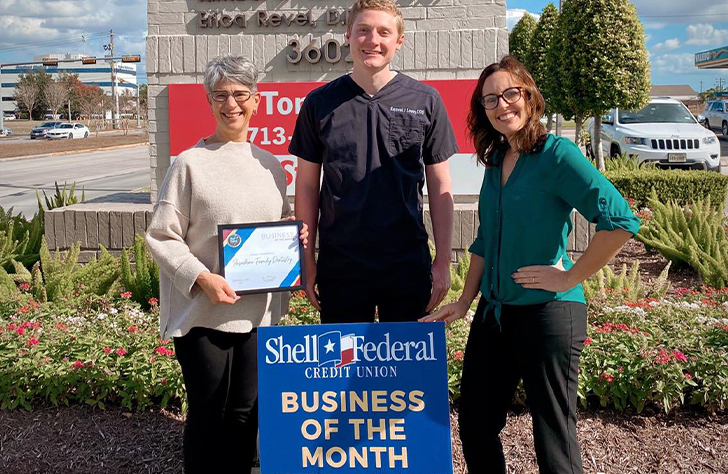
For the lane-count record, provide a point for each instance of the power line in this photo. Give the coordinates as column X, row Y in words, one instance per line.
column 53, row 42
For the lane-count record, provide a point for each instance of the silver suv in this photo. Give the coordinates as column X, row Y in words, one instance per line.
column 716, row 115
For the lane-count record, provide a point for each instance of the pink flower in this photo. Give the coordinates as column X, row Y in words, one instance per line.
column 125, row 294
column 153, row 301
column 688, row 376
column 587, row 341
column 458, row 355
column 679, row 356
column 663, row 358
column 77, row 365
column 32, row 342
column 12, row 327
column 132, row 329
column 20, row 331
column 107, row 350
column 120, row 352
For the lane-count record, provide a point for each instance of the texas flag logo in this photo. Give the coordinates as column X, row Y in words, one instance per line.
column 335, row 349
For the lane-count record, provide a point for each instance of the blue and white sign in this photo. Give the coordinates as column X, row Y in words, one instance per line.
column 345, row 398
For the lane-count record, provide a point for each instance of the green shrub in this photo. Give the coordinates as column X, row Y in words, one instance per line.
column 693, row 234
column 61, row 198
column 683, row 187
column 143, row 282
column 628, row 284
column 19, row 238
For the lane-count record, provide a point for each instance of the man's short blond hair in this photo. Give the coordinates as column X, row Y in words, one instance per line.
column 383, row 5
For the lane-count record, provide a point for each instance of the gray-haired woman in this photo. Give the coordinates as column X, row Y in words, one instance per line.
column 223, row 179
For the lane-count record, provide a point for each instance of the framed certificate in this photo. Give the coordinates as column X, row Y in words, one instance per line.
column 261, row 257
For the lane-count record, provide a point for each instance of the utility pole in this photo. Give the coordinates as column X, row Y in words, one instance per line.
column 558, row 116
column 2, row 111
column 115, row 102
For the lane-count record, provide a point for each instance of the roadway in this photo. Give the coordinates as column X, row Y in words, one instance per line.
column 101, row 173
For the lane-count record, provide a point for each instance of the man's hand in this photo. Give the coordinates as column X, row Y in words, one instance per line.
column 440, row 282
column 448, row 313
column 216, row 288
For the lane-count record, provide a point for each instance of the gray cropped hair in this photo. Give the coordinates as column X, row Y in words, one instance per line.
column 231, row 68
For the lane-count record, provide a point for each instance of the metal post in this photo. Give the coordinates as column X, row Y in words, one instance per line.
column 2, row 111
column 114, row 110
column 139, row 124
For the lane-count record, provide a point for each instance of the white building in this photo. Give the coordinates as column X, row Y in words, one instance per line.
column 92, row 74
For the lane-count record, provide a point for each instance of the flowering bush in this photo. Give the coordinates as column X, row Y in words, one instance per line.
column 104, row 352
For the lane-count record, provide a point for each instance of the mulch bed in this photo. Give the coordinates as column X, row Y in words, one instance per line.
column 82, row 440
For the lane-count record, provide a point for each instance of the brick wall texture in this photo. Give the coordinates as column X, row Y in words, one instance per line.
column 444, row 39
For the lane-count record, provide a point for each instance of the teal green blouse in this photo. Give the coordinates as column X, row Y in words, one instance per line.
column 527, row 221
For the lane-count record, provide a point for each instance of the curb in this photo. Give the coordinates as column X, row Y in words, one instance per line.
column 73, row 152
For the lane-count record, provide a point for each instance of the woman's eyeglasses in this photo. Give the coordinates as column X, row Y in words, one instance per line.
column 240, row 96
column 510, row 96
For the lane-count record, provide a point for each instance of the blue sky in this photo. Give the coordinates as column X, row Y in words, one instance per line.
column 675, row 30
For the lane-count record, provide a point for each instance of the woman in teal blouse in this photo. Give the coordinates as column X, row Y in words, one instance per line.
column 530, row 323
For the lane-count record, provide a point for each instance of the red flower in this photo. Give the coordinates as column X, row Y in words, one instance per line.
column 663, row 358
column 161, row 350
column 125, row 294
column 688, row 376
column 631, row 201
column 458, row 355
column 120, row 352
column 132, row 329
column 679, row 356
column 20, row 331
column 107, row 350
column 60, row 326
column 609, row 378
column 163, row 382
column 11, row 327
column 153, row 301
column 32, row 342
column 620, row 369
column 587, row 341
column 77, row 365
column 25, row 286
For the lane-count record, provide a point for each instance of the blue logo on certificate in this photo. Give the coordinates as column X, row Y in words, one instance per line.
column 262, row 257
column 352, row 398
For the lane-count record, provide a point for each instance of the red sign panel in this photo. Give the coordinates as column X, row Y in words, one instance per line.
column 190, row 117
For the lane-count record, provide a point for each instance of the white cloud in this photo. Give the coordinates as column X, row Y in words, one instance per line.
column 706, row 34
column 31, row 28
column 667, row 45
column 648, row 37
column 675, row 63
column 513, row 15
column 654, row 25
column 659, row 13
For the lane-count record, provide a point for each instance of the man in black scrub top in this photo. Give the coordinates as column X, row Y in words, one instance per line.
column 377, row 134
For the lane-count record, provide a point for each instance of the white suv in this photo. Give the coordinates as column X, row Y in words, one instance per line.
column 716, row 115
column 664, row 132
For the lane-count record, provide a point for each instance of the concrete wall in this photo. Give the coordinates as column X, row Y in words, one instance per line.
column 444, row 39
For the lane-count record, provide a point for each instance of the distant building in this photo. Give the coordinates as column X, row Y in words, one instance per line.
column 682, row 92
column 92, row 74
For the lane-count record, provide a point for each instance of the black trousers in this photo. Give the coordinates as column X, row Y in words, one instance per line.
column 540, row 344
column 393, row 299
column 219, row 371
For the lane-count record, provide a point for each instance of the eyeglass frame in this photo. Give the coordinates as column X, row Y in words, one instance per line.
column 500, row 96
column 228, row 94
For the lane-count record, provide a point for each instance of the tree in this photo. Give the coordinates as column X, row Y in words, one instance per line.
column 143, row 92
column 56, row 95
column 26, row 95
column 73, row 84
column 39, row 80
column 605, row 62
column 91, row 99
column 519, row 41
column 537, row 57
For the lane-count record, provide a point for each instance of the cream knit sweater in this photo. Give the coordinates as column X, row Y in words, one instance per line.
column 207, row 185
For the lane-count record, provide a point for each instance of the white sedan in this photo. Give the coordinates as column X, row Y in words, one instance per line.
column 68, row 130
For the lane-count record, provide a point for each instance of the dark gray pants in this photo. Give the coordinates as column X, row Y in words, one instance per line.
column 540, row 344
